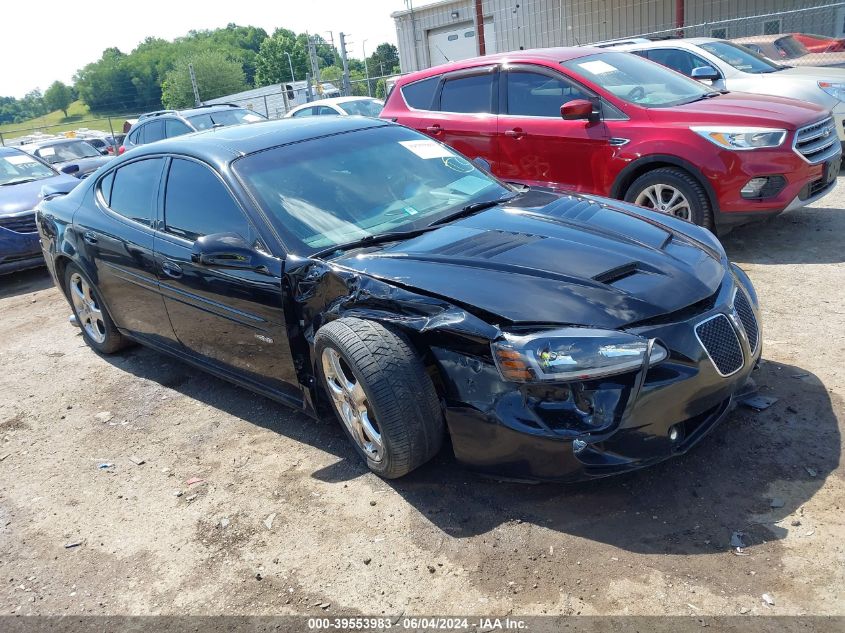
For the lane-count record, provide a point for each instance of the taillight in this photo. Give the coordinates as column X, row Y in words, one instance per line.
column 121, row 149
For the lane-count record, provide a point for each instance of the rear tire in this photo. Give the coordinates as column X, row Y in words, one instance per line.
column 674, row 191
column 381, row 393
column 98, row 329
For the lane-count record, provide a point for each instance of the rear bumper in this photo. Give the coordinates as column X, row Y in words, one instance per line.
column 19, row 251
column 514, row 434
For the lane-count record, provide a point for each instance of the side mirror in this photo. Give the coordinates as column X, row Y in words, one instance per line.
column 481, row 163
column 577, row 109
column 225, row 250
column 705, row 73
column 70, row 169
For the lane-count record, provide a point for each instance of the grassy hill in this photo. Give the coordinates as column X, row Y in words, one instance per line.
column 78, row 116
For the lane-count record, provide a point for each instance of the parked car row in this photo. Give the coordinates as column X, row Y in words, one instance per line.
column 605, row 122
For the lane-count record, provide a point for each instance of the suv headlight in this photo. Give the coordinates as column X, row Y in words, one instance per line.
column 572, row 354
column 742, row 137
column 837, row 91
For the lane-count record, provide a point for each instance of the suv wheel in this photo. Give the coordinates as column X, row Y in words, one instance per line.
column 381, row 393
column 674, row 191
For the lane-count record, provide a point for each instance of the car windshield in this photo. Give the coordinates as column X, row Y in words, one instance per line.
column 331, row 191
column 20, row 168
column 364, row 107
column 636, row 80
column 233, row 116
column 64, row 152
column 790, row 48
column 741, row 58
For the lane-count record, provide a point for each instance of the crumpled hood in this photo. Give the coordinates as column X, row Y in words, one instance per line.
column 572, row 261
column 23, row 197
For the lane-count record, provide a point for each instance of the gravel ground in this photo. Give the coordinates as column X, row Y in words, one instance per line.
column 285, row 520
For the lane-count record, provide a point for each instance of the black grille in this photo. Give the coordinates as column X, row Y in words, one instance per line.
column 20, row 223
column 746, row 315
column 719, row 339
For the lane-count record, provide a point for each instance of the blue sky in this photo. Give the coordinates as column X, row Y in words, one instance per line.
column 52, row 39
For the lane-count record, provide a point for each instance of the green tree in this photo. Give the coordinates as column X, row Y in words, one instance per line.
column 58, row 97
column 106, row 85
column 272, row 65
column 217, row 75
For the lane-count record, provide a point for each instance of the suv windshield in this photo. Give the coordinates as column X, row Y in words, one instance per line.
column 20, row 168
column 636, row 80
column 741, row 58
column 326, row 192
column 66, row 151
column 233, row 116
column 364, row 107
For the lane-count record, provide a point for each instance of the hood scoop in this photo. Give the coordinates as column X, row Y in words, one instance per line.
column 487, row 245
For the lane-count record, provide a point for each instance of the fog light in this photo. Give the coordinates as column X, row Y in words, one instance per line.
column 674, row 433
column 578, row 445
column 763, row 187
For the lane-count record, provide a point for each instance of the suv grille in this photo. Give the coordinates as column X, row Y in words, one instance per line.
column 746, row 315
column 718, row 338
column 817, row 142
column 20, row 223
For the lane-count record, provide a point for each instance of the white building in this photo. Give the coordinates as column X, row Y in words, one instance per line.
column 274, row 100
column 446, row 30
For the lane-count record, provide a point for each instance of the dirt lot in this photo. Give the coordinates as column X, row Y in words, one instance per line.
column 439, row 541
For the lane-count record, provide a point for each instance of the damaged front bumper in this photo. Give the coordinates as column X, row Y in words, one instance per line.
column 585, row 430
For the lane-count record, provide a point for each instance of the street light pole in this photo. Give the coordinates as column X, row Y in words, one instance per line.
column 290, row 63
column 366, row 69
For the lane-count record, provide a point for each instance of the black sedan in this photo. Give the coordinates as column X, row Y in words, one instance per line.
column 357, row 263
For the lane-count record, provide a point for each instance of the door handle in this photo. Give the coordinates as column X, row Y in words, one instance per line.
column 434, row 129
column 90, row 237
column 171, row 269
column 515, row 133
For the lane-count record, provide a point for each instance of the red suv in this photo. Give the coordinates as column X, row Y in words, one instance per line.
column 614, row 124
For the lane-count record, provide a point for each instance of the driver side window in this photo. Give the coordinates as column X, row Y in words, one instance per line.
column 678, row 60
column 538, row 94
column 196, row 203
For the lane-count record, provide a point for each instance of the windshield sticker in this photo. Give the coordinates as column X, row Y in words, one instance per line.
column 410, row 210
column 469, row 185
column 426, row 149
column 21, row 160
column 598, row 67
column 46, row 151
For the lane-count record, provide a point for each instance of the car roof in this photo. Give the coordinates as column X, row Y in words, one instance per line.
column 8, row 151
column 55, row 141
column 681, row 42
column 223, row 144
column 558, row 54
column 760, row 39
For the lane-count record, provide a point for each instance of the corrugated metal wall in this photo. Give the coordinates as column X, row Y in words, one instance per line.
column 540, row 23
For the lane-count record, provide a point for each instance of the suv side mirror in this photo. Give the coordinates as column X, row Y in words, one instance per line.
column 226, row 250
column 705, row 73
column 577, row 109
column 70, row 169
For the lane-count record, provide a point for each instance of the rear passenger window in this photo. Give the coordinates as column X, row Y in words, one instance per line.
column 105, row 187
column 153, row 131
column 468, row 94
column 420, row 94
column 137, row 137
column 174, row 127
column 134, row 189
column 196, row 203
column 303, row 112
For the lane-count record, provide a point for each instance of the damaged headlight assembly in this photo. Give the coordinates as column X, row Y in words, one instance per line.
column 570, row 354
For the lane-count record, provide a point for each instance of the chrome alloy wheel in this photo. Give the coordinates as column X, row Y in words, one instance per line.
column 351, row 404
column 666, row 199
column 88, row 313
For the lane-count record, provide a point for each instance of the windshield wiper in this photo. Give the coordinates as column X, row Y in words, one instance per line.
column 475, row 207
column 18, row 181
column 370, row 240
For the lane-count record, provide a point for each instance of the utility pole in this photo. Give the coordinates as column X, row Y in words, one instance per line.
column 334, row 50
column 197, row 101
column 479, row 29
column 290, row 64
column 315, row 63
column 366, row 69
column 347, row 87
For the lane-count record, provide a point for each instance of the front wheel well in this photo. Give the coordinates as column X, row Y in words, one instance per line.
column 644, row 165
column 61, row 263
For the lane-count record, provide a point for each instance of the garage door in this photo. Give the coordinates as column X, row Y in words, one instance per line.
column 458, row 41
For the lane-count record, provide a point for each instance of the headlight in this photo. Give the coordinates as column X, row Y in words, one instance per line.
column 742, row 137
column 837, row 91
column 572, row 354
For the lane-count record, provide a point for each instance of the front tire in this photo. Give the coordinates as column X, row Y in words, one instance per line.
column 382, row 395
column 674, row 191
column 98, row 329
